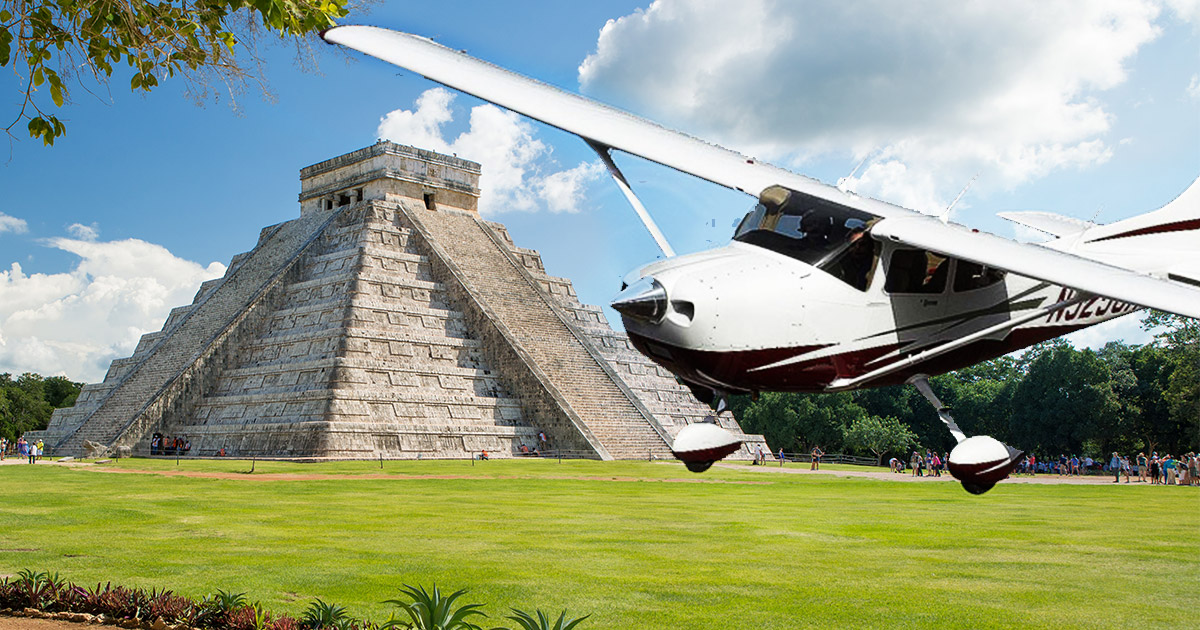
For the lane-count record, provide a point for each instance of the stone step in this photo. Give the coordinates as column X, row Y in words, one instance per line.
column 142, row 386
column 493, row 278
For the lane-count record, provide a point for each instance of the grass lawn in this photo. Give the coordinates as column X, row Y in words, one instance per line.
column 615, row 541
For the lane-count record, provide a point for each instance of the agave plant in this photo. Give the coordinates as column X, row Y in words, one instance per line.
column 542, row 622
column 225, row 602
column 432, row 611
column 322, row 615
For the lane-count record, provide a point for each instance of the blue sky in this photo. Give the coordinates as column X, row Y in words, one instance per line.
column 1086, row 109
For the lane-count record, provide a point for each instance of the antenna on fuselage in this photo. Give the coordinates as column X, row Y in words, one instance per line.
column 842, row 184
column 945, row 216
column 605, row 154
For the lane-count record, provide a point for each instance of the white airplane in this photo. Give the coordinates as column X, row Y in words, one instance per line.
column 822, row 290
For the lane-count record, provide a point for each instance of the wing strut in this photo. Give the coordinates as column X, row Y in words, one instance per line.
column 605, row 154
column 896, row 366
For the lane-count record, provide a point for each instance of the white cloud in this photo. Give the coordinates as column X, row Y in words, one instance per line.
column 1127, row 329
column 1186, row 10
column 12, row 224
column 84, row 232
column 518, row 172
column 1193, row 88
column 75, row 323
column 935, row 91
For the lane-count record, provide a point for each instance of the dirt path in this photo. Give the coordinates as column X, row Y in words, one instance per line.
column 25, row 623
column 906, row 476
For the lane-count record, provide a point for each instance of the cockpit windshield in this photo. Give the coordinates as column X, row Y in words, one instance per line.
column 816, row 231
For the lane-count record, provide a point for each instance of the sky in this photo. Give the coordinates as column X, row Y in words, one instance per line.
column 1089, row 109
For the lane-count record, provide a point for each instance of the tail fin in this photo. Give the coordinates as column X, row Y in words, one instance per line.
column 1165, row 242
column 1182, row 214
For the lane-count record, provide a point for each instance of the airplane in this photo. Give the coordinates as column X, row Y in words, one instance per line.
column 824, row 290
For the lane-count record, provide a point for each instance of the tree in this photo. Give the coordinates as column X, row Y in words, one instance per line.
column 879, row 435
column 27, row 403
column 797, row 422
column 1179, row 338
column 52, row 45
column 1065, row 400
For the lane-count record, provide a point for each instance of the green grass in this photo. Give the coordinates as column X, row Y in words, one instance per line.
column 799, row 551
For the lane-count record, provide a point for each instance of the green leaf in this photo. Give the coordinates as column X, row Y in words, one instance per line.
column 5, row 47
column 56, row 93
column 38, row 76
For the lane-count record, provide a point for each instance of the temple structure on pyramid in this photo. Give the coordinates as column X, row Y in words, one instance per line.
column 388, row 320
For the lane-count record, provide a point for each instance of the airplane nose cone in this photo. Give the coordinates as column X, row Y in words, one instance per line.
column 644, row 300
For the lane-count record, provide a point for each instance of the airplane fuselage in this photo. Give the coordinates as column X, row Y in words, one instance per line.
column 743, row 318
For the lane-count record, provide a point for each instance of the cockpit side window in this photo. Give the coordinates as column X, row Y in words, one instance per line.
column 917, row 271
column 827, row 235
column 969, row 276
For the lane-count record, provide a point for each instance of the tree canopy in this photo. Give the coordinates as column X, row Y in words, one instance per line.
column 53, row 45
column 27, row 402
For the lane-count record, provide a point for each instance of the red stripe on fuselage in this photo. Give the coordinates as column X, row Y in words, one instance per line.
column 733, row 367
column 1177, row 226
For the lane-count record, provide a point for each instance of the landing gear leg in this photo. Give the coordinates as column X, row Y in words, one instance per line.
column 978, row 461
column 921, row 382
column 722, row 400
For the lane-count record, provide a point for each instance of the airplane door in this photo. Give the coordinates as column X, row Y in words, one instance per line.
column 916, row 285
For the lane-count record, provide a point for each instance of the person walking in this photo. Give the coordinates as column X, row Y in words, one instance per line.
column 33, row 453
column 1115, row 466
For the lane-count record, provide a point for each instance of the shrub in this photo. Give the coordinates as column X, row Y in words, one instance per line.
column 118, row 602
column 171, row 607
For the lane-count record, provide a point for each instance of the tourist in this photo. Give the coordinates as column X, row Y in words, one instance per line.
column 1125, row 467
column 1142, row 467
column 895, row 465
column 1194, row 469
column 3, row 448
column 915, row 463
column 524, row 449
column 781, row 457
column 41, row 446
column 33, row 453
column 1115, row 466
column 937, row 465
column 483, row 454
column 816, row 458
column 1168, row 466
column 1155, row 470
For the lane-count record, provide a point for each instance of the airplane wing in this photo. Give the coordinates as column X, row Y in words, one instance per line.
column 1042, row 263
column 588, row 119
column 609, row 127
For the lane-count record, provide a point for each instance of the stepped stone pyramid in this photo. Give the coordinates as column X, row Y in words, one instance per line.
column 389, row 320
